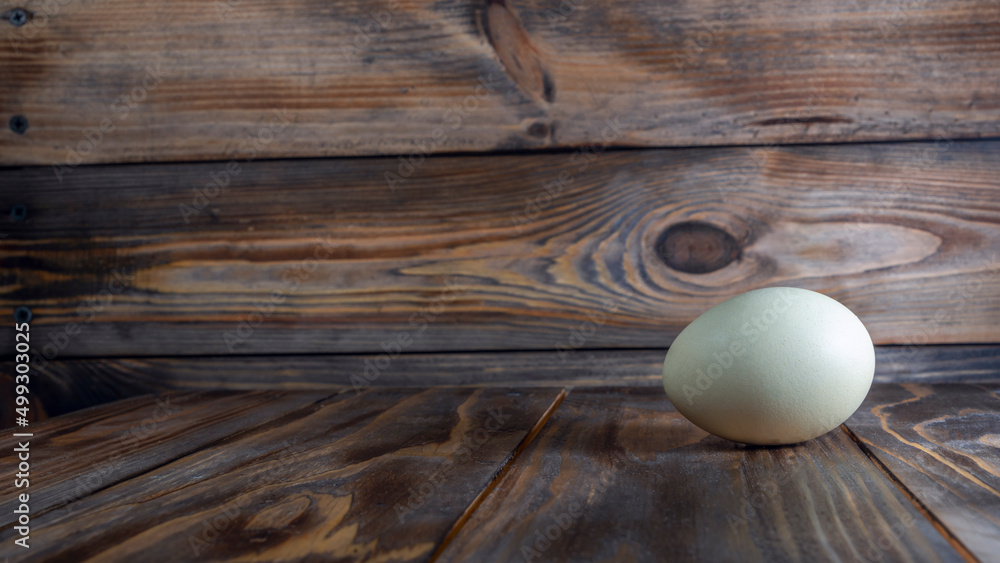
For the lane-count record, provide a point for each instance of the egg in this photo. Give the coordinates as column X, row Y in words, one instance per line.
column 772, row 366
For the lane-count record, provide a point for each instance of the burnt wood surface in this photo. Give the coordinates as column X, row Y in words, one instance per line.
column 126, row 81
column 509, row 473
column 90, row 450
column 420, row 353
column 478, row 254
column 619, row 475
column 62, row 386
column 943, row 444
column 378, row 475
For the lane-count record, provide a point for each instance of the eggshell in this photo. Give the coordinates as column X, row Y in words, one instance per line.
column 772, row 366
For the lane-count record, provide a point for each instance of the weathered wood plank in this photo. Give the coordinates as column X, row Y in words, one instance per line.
column 937, row 364
column 121, row 80
column 618, row 475
column 381, row 475
column 67, row 385
column 318, row 256
column 943, row 444
column 77, row 455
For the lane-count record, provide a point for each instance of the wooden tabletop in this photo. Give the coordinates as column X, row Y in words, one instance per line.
column 516, row 473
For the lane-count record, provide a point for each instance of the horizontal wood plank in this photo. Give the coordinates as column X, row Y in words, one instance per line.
column 77, row 455
column 943, row 444
column 937, row 364
column 122, row 80
column 618, row 475
column 66, row 385
column 476, row 254
column 377, row 476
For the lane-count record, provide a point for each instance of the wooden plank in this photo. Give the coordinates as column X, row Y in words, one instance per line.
column 381, row 475
column 67, row 385
column 318, row 256
column 943, row 444
column 122, row 80
column 937, row 364
column 340, row 372
column 80, row 454
column 618, row 475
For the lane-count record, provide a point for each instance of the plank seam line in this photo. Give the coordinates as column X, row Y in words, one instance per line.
column 180, row 457
column 373, row 352
column 63, row 358
column 557, row 150
column 500, row 474
column 920, row 506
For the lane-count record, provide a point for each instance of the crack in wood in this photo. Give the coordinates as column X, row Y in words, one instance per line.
column 801, row 120
column 917, row 503
column 504, row 468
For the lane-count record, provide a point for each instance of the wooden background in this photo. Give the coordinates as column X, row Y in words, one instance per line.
column 196, row 79
column 475, row 254
column 596, row 234
column 315, row 245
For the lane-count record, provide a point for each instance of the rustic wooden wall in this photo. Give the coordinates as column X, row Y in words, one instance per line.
column 120, row 80
column 494, row 254
column 418, row 242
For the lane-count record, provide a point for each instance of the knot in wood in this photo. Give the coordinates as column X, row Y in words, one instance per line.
column 697, row 248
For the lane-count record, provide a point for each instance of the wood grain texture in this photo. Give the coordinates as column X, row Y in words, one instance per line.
column 122, row 80
column 66, row 385
column 376, row 476
column 943, row 444
column 937, row 364
column 618, row 475
column 476, row 254
column 87, row 451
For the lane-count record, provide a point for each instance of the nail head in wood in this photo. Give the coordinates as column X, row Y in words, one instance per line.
column 19, row 212
column 17, row 17
column 22, row 314
column 19, row 124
